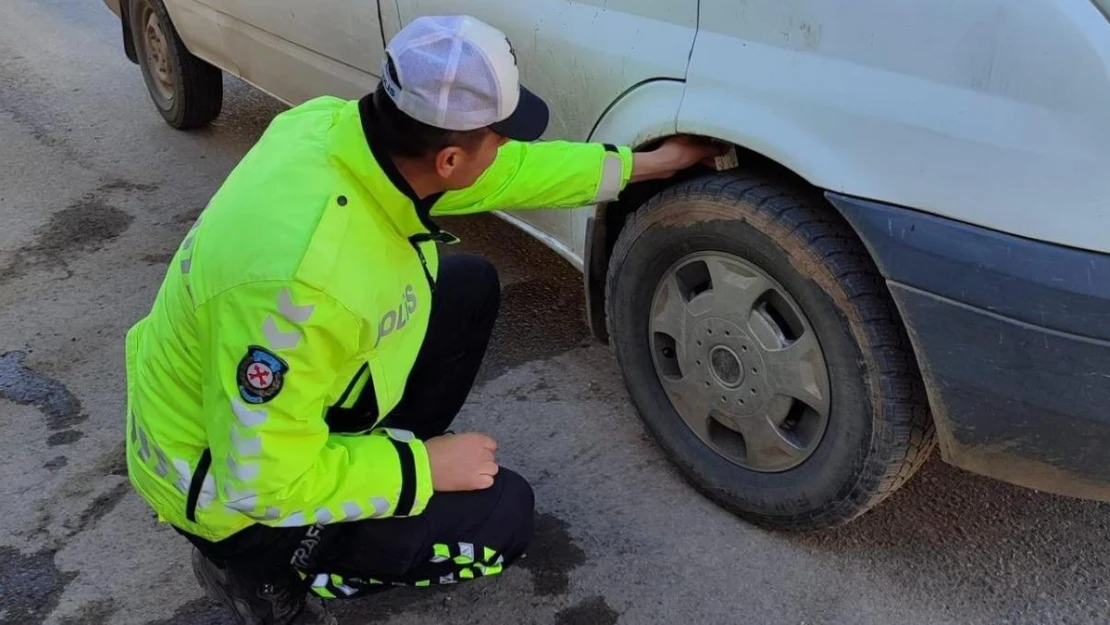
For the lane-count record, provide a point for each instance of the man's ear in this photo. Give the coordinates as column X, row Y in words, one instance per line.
column 447, row 159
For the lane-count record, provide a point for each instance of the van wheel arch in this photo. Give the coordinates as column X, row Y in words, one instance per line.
column 607, row 223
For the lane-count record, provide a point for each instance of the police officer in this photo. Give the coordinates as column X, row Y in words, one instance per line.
column 290, row 390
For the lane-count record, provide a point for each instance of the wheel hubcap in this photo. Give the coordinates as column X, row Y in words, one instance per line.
column 726, row 366
column 739, row 361
column 157, row 56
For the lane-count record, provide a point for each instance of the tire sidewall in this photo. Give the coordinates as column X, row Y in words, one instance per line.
column 175, row 111
column 724, row 225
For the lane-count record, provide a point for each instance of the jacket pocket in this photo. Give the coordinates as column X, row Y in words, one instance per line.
column 359, row 415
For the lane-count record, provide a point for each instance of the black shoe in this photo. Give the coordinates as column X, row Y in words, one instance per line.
column 251, row 604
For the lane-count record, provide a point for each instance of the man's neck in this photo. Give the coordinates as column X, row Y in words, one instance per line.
column 416, row 174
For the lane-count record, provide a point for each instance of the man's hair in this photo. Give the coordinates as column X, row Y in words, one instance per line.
column 404, row 137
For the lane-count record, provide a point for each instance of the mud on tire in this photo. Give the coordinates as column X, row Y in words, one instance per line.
column 878, row 432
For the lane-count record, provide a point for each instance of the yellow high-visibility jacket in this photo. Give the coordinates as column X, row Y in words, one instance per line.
column 298, row 300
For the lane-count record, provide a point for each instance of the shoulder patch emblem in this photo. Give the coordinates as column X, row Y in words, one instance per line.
column 261, row 375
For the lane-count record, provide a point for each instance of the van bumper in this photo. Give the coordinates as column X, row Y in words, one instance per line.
column 1013, row 340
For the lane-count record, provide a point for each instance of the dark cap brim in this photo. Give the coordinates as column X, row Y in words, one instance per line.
column 528, row 122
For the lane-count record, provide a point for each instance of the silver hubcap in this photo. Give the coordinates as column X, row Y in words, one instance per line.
column 739, row 361
column 157, row 56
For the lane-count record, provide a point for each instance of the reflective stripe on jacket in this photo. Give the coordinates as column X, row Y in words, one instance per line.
column 290, row 318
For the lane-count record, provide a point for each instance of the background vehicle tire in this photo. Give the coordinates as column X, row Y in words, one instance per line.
column 187, row 91
column 781, row 316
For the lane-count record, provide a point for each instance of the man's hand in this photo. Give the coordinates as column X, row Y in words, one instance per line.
column 674, row 155
column 462, row 462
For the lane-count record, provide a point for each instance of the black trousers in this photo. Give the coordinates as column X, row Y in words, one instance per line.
column 459, row 536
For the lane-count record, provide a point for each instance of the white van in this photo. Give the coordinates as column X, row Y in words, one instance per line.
column 913, row 247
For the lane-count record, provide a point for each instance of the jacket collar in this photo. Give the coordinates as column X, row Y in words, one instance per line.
column 352, row 147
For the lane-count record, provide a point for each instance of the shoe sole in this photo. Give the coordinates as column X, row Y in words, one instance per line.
column 214, row 581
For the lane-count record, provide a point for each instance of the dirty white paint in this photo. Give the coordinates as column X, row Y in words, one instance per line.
column 991, row 112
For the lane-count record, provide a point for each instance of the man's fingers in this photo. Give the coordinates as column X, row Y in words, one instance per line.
column 489, row 443
column 482, row 439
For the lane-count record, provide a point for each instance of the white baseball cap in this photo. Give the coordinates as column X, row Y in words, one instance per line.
column 459, row 73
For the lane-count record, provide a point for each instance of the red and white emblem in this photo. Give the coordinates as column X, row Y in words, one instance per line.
column 259, row 375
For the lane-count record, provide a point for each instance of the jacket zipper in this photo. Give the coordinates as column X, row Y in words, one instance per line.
column 423, row 263
column 439, row 236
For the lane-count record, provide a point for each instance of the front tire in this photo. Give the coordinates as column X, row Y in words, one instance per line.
column 186, row 90
column 764, row 353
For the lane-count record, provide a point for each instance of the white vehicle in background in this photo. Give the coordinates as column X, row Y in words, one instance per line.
column 914, row 246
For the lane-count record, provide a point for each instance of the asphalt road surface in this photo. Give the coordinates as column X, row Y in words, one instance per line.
column 95, row 193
